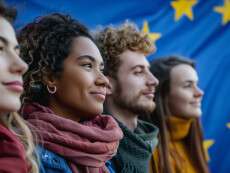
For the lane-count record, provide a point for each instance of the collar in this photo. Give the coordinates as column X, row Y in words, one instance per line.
column 178, row 127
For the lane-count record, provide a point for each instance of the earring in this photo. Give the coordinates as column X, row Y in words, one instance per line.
column 51, row 90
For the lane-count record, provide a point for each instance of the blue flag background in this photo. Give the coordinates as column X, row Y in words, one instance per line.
column 196, row 29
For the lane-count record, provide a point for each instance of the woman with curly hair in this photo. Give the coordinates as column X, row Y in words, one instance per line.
column 64, row 94
column 178, row 100
column 16, row 144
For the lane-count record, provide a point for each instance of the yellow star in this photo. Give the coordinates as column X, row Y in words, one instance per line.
column 183, row 7
column 152, row 35
column 207, row 144
column 228, row 125
column 225, row 11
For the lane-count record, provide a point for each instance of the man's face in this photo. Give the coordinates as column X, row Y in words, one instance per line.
column 134, row 88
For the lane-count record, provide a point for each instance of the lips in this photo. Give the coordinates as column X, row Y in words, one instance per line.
column 149, row 94
column 99, row 95
column 16, row 86
column 196, row 104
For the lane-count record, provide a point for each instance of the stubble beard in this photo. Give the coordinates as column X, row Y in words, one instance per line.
column 132, row 104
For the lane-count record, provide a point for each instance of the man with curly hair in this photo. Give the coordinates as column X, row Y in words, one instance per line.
column 130, row 93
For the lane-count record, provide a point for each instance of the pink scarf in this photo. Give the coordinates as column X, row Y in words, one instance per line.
column 12, row 153
column 86, row 146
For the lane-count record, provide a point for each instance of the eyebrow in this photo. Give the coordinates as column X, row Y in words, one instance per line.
column 2, row 39
column 191, row 81
column 138, row 66
column 91, row 58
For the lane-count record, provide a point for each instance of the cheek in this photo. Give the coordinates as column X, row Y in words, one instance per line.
column 133, row 85
column 75, row 85
column 178, row 103
column 9, row 103
column 70, row 93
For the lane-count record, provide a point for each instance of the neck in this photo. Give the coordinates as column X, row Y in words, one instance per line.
column 127, row 117
column 63, row 110
column 3, row 118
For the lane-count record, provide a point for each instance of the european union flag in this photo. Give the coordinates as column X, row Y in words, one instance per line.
column 192, row 28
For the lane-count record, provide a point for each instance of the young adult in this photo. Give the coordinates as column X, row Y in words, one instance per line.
column 64, row 93
column 16, row 143
column 130, row 94
column 177, row 115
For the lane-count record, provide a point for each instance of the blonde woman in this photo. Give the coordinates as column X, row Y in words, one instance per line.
column 16, row 146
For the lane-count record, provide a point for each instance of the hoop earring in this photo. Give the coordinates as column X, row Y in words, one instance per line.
column 51, row 90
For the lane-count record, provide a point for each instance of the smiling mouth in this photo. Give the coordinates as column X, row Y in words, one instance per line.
column 99, row 96
column 15, row 86
column 196, row 104
column 151, row 96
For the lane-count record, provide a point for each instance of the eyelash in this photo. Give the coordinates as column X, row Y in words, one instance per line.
column 102, row 70
column 1, row 48
column 188, row 86
column 17, row 50
column 87, row 65
column 138, row 72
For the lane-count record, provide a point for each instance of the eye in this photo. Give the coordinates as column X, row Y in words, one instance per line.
column 138, row 72
column 188, row 85
column 1, row 48
column 102, row 70
column 87, row 66
column 17, row 50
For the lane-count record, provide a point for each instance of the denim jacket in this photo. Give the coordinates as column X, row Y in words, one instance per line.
column 49, row 162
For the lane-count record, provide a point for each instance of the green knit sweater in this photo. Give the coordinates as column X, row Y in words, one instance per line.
column 135, row 149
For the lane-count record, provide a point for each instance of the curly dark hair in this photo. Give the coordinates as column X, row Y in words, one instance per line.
column 8, row 13
column 114, row 41
column 45, row 44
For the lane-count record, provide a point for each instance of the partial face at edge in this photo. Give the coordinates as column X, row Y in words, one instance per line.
column 11, row 69
column 185, row 96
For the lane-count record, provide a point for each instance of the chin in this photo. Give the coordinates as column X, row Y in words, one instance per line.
column 97, row 111
column 198, row 113
column 150, row 107
column 195, row 115
column 12, row 107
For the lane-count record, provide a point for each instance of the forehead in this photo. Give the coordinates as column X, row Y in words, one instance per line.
column 130, row 59
column 84, row 46
column 7, row 32
column 183, row 73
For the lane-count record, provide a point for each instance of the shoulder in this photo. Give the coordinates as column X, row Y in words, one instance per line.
column 50, row 162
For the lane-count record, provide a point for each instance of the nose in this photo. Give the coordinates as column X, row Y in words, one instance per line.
column 102, row 80
column 198, row 92
column 18, row 65
column 152, row 80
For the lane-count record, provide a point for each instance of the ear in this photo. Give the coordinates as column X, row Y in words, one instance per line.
column 110, row 86
column 50, row 80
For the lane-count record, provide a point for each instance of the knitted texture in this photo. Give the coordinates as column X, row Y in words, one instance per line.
column 135, row 149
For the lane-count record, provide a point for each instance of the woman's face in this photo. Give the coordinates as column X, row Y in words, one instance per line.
column 81, row 88
column 184, row 96
column 11, row 69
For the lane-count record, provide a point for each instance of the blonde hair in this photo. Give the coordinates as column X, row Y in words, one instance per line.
column 19, row 127
column 13, row 121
